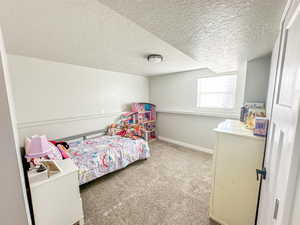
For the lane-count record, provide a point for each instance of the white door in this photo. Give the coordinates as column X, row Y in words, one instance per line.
column 282, row 157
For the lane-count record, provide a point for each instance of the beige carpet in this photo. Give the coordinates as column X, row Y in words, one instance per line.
column 171, row 187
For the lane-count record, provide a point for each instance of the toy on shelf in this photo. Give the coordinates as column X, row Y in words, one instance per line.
column 140, row 122
column 254, row 117
column 129, row 118
column 261, row 126
column 146, row 117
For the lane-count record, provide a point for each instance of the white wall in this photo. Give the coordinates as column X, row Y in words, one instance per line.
column 60, row 99
column 13, row 206
column 178, row 117
column 176, row 96
column 257, row 81
column 196, row 131
column 178, row 91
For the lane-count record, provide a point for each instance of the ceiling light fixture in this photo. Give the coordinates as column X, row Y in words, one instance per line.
column 155, row 58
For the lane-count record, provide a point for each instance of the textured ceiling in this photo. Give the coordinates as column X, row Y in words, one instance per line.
column 217, row 33
column 87, row 33
column 117, row 34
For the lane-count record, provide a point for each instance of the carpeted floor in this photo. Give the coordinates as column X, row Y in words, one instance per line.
column 171, row 187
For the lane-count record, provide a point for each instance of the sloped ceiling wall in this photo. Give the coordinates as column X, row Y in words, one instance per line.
column 86, row 33
column 118, row 34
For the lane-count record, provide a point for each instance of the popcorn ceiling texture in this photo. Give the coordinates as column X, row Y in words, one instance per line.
column 217, row 33
column 116, row 35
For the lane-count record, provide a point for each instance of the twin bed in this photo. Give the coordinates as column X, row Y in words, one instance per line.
column 101, row 155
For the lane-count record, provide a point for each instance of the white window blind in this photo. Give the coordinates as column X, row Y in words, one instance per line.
column 217, row 92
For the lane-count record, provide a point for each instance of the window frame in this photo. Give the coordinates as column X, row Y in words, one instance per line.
column 233, row 93
column 223, row 112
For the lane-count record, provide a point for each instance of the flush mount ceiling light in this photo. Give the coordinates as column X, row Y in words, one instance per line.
column 155, row 58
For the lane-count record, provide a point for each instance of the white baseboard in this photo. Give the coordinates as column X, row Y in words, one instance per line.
column 187, row 145
column 217, row 220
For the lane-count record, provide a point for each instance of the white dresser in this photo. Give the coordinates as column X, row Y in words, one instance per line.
column 56, row 200
column 235, row 189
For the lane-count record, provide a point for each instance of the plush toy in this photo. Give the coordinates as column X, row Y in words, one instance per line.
column 63, row 147
column 63, row 143
column 133, row 131
column 63, row 150
column 138, row 130
column 113, row 129
column 113, row 125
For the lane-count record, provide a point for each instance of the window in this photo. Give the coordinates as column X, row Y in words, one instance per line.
column 217, row 92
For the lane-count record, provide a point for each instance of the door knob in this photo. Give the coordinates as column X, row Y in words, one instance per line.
column 262, row 173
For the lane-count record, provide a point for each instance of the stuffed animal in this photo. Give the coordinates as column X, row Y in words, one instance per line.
column 133, row 131
column 113, row 129
column 63, row 143
column 63, row 147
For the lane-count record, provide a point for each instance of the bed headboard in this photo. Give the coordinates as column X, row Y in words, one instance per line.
column 84, row 135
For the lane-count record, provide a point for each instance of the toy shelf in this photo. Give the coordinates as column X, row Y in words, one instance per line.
column 146, row 117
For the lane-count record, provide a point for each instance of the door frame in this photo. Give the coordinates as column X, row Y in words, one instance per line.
column 14, row 204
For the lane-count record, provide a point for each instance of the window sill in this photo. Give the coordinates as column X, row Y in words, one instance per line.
column 227, row 115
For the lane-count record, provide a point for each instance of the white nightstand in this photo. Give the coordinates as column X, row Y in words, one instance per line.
column 56, row 200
